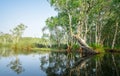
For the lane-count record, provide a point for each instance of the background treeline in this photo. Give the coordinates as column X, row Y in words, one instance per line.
column 15, row 41
column 26, row 43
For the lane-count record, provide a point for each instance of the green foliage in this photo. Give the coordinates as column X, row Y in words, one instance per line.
column 7, row 45
column 17, row 32
column 75, row 47
column 22, row 47
column 95, row 21
column 98, row 47
column 0, row 44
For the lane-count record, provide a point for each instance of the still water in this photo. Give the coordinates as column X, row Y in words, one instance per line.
column 57, row 64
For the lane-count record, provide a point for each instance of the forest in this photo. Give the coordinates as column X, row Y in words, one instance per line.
column 85, row 22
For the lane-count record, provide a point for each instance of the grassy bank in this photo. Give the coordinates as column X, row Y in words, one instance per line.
column 28, row 46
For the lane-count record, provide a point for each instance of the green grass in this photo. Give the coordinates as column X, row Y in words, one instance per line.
column 47, row 50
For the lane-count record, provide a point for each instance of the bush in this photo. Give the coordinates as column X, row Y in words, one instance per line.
column 98, row 47
column 75, row 47
column 63, row 46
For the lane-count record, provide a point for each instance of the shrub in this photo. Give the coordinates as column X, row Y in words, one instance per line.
column 98, row 47
column 75, row 47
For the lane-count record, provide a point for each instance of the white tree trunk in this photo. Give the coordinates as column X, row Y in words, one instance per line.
column 115, row 35
column 84, row 45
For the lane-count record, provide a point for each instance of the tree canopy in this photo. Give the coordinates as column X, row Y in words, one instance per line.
column 93, row 21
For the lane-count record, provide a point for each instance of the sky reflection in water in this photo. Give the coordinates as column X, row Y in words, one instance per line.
column 58, row 64
column 29, row 65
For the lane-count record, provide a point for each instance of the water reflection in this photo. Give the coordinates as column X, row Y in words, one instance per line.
column 16, row 66
column 100, row 65
column 5, row 52
column 14, row 63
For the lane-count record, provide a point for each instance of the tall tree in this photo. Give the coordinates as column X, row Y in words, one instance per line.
column 17, row 32
column 89, row 21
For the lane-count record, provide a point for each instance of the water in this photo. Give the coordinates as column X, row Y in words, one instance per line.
column 57, row 64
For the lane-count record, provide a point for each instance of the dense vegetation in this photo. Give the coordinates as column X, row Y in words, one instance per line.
column 15, row 41
column 95, row 22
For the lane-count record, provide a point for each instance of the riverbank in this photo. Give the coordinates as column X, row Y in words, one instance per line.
column 112, row 50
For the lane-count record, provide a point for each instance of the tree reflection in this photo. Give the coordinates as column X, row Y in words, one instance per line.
column 16, row 66
column 111, row 65
column 58, row 64
column 44, row 61
column 5, row 52
column 98, row 66
column 101, row 65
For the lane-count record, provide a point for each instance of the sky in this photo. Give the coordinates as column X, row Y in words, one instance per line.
column 32, row 13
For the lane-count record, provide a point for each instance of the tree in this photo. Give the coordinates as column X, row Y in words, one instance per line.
column 56, row 32
column 89, row 21
column 70, row 8
column 17, row 32
column 5, row 38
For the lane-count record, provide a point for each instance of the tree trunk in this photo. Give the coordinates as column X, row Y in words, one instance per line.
column 115, row 35
column 85, row 48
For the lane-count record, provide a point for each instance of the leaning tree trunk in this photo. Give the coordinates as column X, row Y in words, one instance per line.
column 85, row 48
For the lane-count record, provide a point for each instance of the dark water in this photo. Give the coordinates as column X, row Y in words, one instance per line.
column 57, row 64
